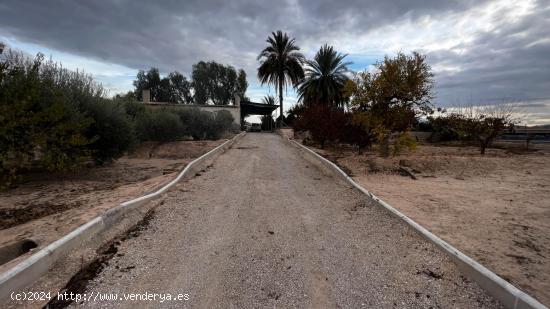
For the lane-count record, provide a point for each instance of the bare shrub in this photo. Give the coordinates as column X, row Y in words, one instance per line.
column 483, row 123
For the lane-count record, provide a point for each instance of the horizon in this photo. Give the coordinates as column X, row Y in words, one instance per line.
column 484, row 52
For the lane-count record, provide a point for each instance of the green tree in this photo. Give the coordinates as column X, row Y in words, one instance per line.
column 147, row 80
column 280, row 64
column 386, row 103
column 174, row 88
column 179, row 89
column 112, row 131
column 242, row 84
column 216, row 83
column 325, row 77
column 405, row 81
column 39, row 118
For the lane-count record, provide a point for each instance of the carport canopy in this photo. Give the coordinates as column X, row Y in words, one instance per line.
column 252, row 108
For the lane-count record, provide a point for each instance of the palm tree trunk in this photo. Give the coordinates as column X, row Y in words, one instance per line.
column 281, row 100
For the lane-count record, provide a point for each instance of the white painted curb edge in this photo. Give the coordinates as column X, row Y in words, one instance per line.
column 506, row 293
column 31, row 269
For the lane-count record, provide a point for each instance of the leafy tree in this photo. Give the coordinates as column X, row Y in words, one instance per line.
column 280, row 64
column 112, row 131
column 216, row 83
column 403, row 83
column 37, row 119
column 387, row 102
column 179, row 89
column 324, row 78
column 148, row 80
column 174, row 88
column 242, row 85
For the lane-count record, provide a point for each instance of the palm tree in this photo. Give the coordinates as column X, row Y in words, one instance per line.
column 267, row 120
column 269, row 100
column 281, row 64
column 325, row 78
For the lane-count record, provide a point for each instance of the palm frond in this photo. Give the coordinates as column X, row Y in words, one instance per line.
column 325, row 77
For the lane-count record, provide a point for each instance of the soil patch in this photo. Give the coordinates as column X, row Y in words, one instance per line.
column 78, row 283
column 494, row 208
column 46, row 206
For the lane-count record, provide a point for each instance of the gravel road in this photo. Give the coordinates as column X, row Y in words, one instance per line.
column 262, row 227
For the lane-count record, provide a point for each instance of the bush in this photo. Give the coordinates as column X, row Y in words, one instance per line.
column 356, row 133
column 112, row 131
column 193, row 121
column 443, row 128
column 159, row 125
column 325, row 123
column 205, row 125
column 37, row 119
column 267, row 122
column 403, row 141
column 482, row 123
column 222, row 123
column 132, row 108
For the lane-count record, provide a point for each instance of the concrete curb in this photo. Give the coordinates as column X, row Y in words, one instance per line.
column 506, row 293
column 31, row 269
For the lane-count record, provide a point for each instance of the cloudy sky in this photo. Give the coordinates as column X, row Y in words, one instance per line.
column 481, row 51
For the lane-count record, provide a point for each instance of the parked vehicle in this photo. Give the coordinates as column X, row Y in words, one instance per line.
column 256, row 127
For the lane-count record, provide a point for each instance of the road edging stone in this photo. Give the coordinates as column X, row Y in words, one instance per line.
column 509, row 295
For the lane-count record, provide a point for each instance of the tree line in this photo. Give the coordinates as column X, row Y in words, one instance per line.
column 371, row 108
column 55, row 119
column 211, row 83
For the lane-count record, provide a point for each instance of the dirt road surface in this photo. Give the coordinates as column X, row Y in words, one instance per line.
column 264, row 228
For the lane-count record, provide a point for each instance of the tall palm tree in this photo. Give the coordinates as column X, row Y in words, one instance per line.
column 325, row 78
column 280, row 64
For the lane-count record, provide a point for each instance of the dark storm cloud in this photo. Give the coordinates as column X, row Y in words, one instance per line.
column 175, row 34
column 511, row 61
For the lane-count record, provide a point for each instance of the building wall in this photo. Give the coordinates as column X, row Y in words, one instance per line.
column 235, row 110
